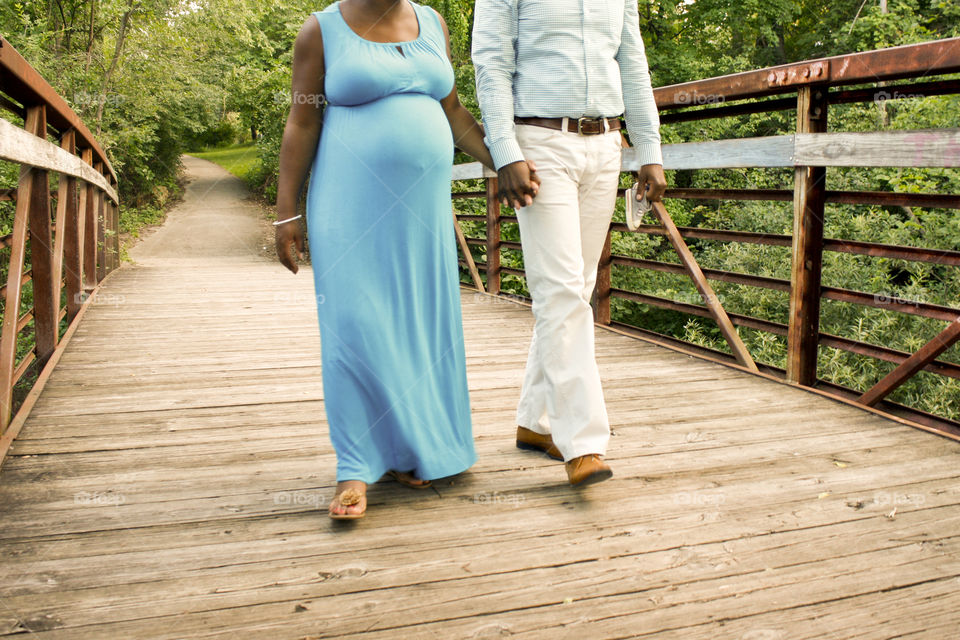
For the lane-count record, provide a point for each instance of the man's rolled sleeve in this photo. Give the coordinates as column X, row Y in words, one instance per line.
column 639, row 106
column 494, row 57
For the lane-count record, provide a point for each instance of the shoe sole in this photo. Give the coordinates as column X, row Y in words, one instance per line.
column 399, row 479
column 532, row 447
column 594, row 478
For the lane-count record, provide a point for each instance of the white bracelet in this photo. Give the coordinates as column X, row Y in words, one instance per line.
column 279, row 222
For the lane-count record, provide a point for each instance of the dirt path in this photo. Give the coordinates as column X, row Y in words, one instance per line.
column 215, row 221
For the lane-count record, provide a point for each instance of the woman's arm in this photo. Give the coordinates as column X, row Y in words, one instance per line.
column 467, row 132
column 300, row 137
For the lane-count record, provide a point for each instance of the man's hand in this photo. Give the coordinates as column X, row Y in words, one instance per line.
column 288, row 236
column 518, row 184
column 652, row 182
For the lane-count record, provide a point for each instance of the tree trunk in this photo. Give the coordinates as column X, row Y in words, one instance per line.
column 55, row 27
column 90, row 36
column 882, row 104
column 67, row 29
column 117, row 52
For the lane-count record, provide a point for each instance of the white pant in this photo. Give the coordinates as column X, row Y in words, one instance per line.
column 563, row 233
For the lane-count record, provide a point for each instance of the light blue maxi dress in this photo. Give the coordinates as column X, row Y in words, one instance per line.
column 384, row 257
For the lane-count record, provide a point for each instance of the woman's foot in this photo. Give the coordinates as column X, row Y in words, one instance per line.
column 350, row 500
column 409, row 480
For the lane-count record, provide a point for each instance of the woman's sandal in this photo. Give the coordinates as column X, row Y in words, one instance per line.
column 404, row 479
column 347, row 498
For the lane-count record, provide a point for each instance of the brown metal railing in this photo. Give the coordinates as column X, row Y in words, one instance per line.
column 71, row 246
column 809, row 88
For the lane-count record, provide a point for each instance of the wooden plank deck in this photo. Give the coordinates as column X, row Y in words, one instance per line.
column 172, row 478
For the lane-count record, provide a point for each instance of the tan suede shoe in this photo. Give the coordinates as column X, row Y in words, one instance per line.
column 533, row 441
column 587, row 470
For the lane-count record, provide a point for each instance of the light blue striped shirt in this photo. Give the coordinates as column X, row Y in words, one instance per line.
column 556, row 58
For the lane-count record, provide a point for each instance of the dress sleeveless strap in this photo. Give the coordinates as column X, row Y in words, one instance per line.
column 431, row 29
column 329, row 21
column 322, row 17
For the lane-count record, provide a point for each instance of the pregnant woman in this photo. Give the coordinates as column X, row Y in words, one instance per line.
column 381, row 238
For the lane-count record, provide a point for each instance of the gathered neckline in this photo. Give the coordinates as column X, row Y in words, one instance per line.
column 389, row 44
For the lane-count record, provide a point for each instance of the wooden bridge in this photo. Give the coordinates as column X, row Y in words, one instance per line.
column 171, row 466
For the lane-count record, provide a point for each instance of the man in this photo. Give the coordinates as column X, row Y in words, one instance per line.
column 553, row 77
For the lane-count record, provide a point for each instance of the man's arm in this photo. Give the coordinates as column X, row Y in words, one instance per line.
column 494, row 56
column 640, row 109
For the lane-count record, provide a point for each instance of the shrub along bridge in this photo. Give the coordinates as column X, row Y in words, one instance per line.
column 171, row 465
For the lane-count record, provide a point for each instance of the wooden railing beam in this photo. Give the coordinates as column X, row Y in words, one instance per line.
column 807, row 247
column 66, row 209
column 22, row 147
column 115, row 228
column 27, row 86
column 915, row 363
column 89, row 233
column 68, row 236
column 601, row 291
column 18, row 246
column 923, row 59
column 42, row 255
column 493, row 236
column 710, row 298
column 884, row 198
column 101, row 232
column 467, row 254
column 890, row 251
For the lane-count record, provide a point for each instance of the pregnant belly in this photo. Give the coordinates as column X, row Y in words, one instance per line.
column 402, row 134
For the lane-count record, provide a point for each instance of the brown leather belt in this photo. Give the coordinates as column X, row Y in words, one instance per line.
column 585, row 126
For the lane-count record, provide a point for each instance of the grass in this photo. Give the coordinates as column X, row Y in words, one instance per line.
column 239, row 159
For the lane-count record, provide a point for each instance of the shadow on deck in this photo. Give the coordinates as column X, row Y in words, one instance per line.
column 171, row 483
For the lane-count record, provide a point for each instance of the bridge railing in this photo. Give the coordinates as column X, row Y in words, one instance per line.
column 808, row 88
column 63, row 240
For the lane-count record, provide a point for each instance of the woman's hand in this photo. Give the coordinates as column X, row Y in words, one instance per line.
column 534, row 178
column 300, row 137
column 289, row 236
column 518, row 184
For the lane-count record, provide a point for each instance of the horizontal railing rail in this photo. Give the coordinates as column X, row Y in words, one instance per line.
column 808, row 88
column 63, row 241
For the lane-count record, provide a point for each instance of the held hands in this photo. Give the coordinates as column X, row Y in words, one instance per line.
column 518, row 184
column 651, row 182
column 289, row 235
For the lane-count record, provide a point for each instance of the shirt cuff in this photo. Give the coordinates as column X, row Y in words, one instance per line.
column 648, row 153
column 504, row 152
